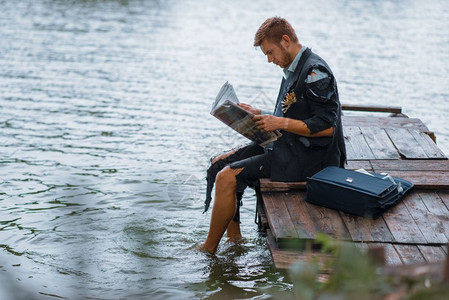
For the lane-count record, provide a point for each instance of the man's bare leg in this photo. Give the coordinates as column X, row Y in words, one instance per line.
column 233, row 231
column 223, row 210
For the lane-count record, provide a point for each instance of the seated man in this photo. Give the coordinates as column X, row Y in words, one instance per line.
column 308, row 114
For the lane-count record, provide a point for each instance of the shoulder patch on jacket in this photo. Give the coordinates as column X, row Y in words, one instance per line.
column 323, row 89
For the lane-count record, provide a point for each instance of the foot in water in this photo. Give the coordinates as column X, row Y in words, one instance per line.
column 202, row 248
column 231, row 242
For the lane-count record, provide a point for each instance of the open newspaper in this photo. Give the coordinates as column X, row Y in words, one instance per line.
column 225, row 109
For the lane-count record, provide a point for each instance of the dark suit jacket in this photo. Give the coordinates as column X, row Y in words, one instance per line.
column 295, row 157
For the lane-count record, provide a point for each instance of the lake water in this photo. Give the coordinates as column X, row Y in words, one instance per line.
column 106, row 133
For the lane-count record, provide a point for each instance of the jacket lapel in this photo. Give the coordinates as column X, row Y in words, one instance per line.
column 281, row 95
column 291, row 82
column 299, row 67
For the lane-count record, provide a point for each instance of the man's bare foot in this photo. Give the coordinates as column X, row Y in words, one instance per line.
column 234, row 247
column 236, row 240
column 203, row 248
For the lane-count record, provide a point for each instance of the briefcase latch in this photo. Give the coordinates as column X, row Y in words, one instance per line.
column 349, row 179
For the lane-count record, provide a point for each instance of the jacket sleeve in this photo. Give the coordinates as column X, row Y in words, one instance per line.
column 322, row 99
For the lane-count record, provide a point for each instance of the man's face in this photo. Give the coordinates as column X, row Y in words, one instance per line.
column 276, row 53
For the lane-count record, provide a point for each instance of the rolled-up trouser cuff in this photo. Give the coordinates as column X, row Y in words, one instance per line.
column 254, row 168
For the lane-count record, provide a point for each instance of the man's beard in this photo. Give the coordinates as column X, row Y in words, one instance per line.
column 287, row 59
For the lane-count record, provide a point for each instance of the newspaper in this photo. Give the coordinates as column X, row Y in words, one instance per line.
column 225, row 109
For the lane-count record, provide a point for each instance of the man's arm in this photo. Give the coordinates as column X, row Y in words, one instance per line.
column 272, row 123
column 323, row 106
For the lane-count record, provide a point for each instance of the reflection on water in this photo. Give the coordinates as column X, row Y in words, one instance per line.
column 105, row 131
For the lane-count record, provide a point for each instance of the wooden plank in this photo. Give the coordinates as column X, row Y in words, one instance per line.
column 356, row 146
column 439, row 211
column 365, row 230
column 266, row 185
column 425, row 174
column 409, row 165
column 391, row 255
column 371, row 108
column 283, row 259
column 384, row 122
column 432, row 253
column 327, row 221
column 427, row 144
column 409, row 254
column 361, row 246
column 432, row 271
column 380, row 143
column 434, row 202
column 406, row 144
column 424, row 179
column 444, row 195
column 425, row 219
column 401, row 224
column 359, row 164
column 263, row 220
column 279, row 218
column 304, row 219
column 351, row 151
column 299, row 215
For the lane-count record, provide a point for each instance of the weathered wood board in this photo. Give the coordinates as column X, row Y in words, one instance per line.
column 416, row 230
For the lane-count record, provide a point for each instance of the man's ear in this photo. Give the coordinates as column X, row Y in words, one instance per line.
column 285, row 41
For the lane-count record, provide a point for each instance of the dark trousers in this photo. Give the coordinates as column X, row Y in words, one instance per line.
column 255, row 163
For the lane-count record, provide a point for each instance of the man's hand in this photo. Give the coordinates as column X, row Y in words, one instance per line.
column 267, row 122
column 250, row 109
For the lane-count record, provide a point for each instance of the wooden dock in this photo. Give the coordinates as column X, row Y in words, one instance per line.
column 414, row 231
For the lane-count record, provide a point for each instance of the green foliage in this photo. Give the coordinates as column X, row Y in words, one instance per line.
column 353, row 275
column 304, row 276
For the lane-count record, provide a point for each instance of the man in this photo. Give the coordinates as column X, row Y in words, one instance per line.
column 308, row 114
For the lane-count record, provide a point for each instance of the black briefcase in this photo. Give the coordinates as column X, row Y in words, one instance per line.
column 363, row 194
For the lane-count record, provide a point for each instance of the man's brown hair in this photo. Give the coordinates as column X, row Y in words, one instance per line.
column 273, row 29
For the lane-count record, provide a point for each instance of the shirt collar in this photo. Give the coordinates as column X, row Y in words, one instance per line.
column 291, row 68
